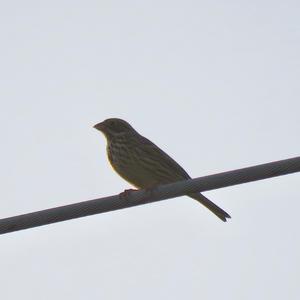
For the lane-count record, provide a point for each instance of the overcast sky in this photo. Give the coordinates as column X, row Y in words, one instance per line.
column 213, row 83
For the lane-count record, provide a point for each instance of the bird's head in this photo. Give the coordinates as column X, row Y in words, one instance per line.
column 113, row 127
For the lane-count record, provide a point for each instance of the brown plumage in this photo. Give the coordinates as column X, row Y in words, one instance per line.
column 142, row 163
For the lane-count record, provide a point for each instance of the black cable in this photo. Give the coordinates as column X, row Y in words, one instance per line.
column 163, row 192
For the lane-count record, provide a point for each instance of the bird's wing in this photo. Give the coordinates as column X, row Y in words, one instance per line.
column 163, row 165
column 166, row 170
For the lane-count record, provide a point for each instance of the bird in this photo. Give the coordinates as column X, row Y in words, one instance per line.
column 143, row 164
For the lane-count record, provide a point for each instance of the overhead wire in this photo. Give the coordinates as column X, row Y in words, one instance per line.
column 140, row 197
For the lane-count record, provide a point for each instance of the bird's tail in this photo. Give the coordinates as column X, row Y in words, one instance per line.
column 219, row 212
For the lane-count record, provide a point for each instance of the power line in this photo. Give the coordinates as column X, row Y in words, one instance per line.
column 101, row 205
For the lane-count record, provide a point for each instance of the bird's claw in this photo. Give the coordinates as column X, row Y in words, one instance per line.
column 148, row 194
column 124, row 195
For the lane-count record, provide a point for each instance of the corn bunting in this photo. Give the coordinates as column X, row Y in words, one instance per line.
column 142, row 163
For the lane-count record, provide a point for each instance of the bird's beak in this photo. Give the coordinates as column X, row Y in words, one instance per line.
column 99, row 126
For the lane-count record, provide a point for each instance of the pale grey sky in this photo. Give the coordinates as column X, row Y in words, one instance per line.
column 213, row 83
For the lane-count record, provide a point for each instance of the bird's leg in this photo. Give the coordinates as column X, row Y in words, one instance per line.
column 124, row 195
column 149, row 192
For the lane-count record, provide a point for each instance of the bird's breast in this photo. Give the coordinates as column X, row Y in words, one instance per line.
column 127, row 162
